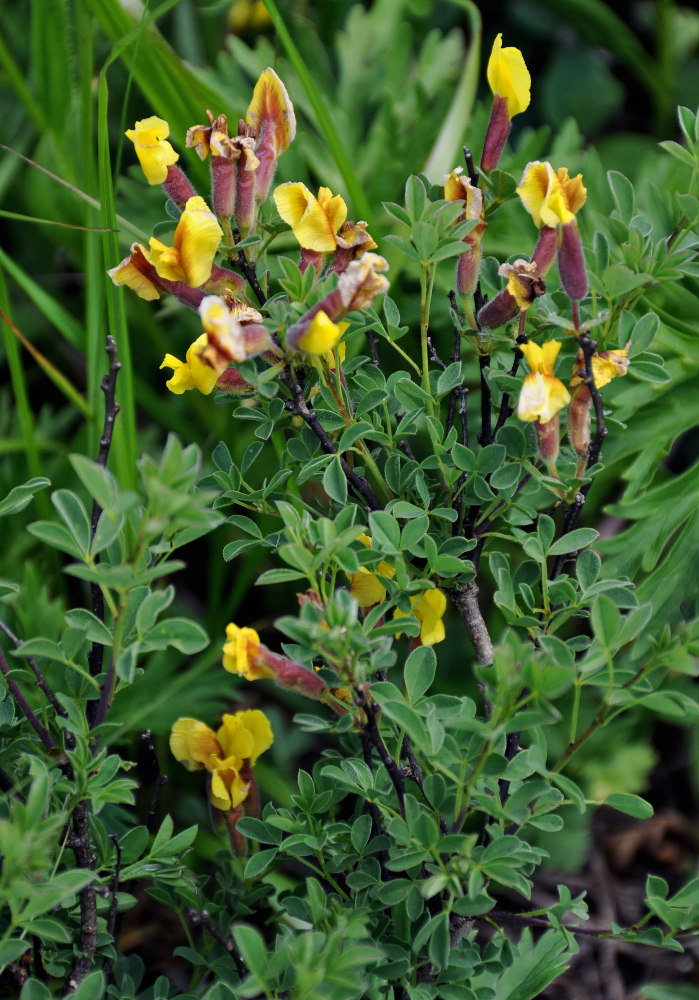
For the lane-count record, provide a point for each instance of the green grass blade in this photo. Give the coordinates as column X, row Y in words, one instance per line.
column 19, row 389
column 64, row 322
column 63, row 384
column 447, row 148
column 337, row 147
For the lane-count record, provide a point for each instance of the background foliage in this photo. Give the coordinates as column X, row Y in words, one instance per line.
column 377, row 90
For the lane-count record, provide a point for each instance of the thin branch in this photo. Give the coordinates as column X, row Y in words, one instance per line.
column 41, row 681
column 203, row 919
column 572, row 514
column 414, row 772
column 394, row 772
column 248, row 270
column 470, row 167
column 95, row 656
column 114, row 905
column 486, row 435
column 31, row 718
column 298, row 407
column 377, row 828
column 373, row 341
column 506, row 407
column 85, row 859
column 465, row 600
column 160, row 781
column 522, row 918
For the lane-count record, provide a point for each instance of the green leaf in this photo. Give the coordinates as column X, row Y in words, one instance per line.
column 420, row 669
column 643, row 334
column 335, row 482
column 10, row 951
column 490, row 458
column 279, row 576
column 506, row 476
column 449, row 378
column 463, row 458
column 411, row 395
column 574, row 540
column 97, row 480
column 623, row 194
column 385, row 532
column 57, row 536
column 259, row 862
column 632, row 805
column 72, row 510
column 185, row 635
column 18, row 497
column 415, row 198
column 94, row 629
column 91, row 988
column 252, row 948
column 605, row 620
column 587, row 568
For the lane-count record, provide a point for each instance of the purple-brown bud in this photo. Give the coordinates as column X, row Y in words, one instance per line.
column 498, row 311
column 177, row 187
column 545, row 249
column 547, row 440
column 571, row 262
column 496, row 136
column 579, row 420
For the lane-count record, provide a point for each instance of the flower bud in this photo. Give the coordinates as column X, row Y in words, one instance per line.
column 496, row 136
column 547, row 441
column 571, row 263
column 177, row 187
column 545, row 249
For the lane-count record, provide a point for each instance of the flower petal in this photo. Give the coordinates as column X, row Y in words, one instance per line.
column 509, row 77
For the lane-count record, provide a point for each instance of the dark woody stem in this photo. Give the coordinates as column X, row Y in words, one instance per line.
column 371, row 728
column 459, row 392
column 465, row 600
column 41, row 681
column 29, row 715
column 572, row 514
column 506, row 407
column 298, row 406
column 486, row 435
column 95, row 655
column 473, row 175
column 248, row 270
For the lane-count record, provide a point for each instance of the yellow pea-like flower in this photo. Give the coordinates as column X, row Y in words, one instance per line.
column 197, row 238
column 154, row 152
column 314, row 221
column 509, row 77
column 192, row 373
column 542, row 394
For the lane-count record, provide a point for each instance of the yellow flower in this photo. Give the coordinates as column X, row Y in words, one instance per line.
column 197, row 238
column 509, row 77
column 245, row 735
column 192, row 373
column 314, row 221
column 365, row 586
column 522, row 282
column 247, row 15
column 542, row 394
column 552, row 198
column 271, row 110
column 193, row 744
column 428, row 608
column 240, row 652
column 154, row 153
column 605, row 366
column 228, row 787
column 321, row 336
column 228, row 755
column 136, row 273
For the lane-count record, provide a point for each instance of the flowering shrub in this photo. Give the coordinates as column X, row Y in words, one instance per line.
column 420, row 498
